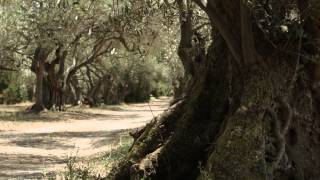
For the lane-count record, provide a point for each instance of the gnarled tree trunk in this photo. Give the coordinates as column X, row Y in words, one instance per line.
column 244, row 115
column 38, row 66
column 48, row 81
column 54, row 80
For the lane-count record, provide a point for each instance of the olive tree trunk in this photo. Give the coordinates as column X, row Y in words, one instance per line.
column 38, row 66
column 244, row 115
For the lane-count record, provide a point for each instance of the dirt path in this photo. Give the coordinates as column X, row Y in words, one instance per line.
column 30, row 146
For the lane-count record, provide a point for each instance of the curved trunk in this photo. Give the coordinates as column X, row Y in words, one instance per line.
column 95, row 90
column 48, row 89
column 174, row 144
column 74, row 89
column 243, row 115
column 246, row 130
column 38, row 106
column 55, row 87
column 38, row 66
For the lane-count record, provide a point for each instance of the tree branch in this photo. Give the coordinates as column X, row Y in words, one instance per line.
column 247, row 36
column 96, row 52
column 216, row 18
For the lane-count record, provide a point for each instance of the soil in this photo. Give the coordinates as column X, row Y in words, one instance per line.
column 33, row 145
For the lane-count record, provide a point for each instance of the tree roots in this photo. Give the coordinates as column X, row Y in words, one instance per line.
column 282, row 123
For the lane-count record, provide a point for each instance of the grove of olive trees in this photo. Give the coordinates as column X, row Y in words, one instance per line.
column 244, row 76
column 82, row 51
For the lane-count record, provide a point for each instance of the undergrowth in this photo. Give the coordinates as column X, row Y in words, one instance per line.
column 76, row 170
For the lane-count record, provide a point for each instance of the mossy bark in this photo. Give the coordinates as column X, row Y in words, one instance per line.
column 240, row 116
column 229, row 135
column 182, row 134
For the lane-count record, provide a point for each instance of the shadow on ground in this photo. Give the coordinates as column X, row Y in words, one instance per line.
column 26, row 166
column 35, row 144
column 59, row 140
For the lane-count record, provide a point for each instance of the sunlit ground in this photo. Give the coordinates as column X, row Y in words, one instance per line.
column 32, row 145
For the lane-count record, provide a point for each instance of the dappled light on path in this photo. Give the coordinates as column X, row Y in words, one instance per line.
column 30, row 148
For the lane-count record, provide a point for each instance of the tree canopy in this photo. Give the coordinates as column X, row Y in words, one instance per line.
column 83, row 43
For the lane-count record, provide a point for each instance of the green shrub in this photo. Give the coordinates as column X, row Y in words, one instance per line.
column 3, row 85
column 161, row 89
column 16, row 87
column 15, row 93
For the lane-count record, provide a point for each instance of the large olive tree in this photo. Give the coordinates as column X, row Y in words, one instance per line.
column 250, row 107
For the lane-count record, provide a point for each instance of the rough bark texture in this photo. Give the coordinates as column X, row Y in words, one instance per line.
column 48, row 82
column 53, row 83
column 244, row 116
column 38, row 66
column 95, row 89
column 54, row 80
